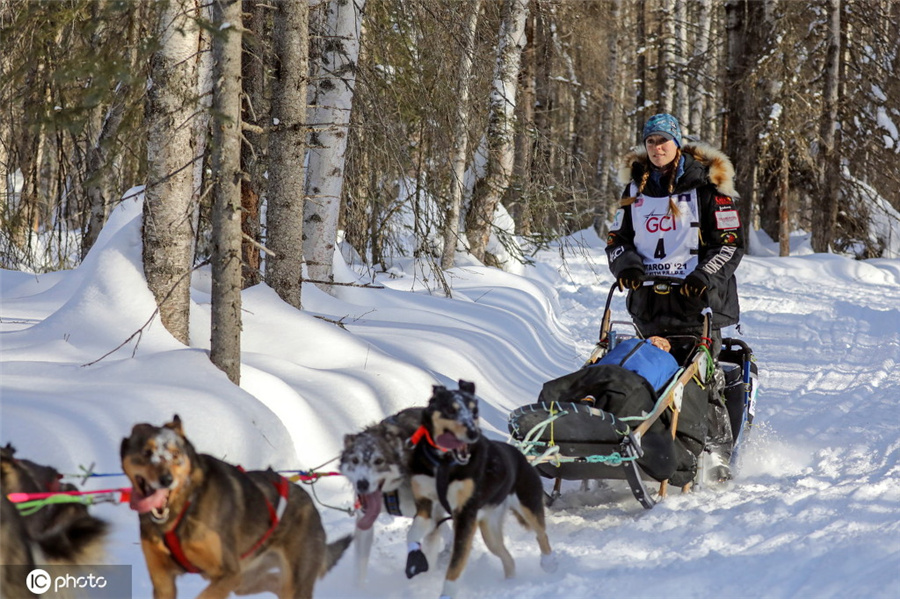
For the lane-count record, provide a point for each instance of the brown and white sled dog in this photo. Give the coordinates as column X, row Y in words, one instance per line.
column 61, row 533
column 202, row 515
column 376, row 462
column 477, row 480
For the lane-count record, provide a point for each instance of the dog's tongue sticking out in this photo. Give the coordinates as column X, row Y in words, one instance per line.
column 145, row 503
column 371, row 507
column 449, row 441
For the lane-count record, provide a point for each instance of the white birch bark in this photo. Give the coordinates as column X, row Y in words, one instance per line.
column 287, row 146
column 460, row 140
column 666, row 60
column 501, row 125
column 699, row 122
column 335, row 76
column 682, row 90
column 605, row 172
column 204, row 85
column 225, row 341
column 168, row 234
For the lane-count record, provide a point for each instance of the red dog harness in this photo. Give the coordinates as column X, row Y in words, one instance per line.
column 419, row 434
column 275, row 513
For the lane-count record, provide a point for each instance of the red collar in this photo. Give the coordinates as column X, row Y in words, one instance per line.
column 174, row 544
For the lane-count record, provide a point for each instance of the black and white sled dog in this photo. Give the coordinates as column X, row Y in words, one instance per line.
column 376, row 462
column 477, row 480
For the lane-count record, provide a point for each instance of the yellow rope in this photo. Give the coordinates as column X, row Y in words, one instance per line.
column 552, row 424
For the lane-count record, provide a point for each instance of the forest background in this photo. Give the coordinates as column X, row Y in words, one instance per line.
column 267, row 135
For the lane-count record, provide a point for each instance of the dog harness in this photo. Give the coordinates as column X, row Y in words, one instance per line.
column 275, row 513
column 392, row 503
column 419, row 434
column 437, row 456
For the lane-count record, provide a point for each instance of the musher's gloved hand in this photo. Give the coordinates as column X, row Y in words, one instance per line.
column 693, row 286
column 631, row 278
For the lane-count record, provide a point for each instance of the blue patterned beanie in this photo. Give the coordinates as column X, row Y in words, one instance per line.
column 665, row 125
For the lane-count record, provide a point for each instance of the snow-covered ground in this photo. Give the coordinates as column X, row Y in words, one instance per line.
column 814, row 510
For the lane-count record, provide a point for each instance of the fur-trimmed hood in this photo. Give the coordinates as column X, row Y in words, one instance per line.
column 718, row 165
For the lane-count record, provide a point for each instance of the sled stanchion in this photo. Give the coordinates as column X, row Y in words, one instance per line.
column 605, row 322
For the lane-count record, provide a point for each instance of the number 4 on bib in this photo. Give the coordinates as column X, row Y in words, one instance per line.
column 660, row 252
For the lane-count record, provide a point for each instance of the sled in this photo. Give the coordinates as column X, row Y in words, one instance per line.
column 574, row 440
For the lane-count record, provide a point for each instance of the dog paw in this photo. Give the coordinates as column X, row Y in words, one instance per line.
column 549, row 563
column 416, row 563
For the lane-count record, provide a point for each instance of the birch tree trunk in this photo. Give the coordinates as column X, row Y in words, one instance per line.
column 287, row 146
column 698, row 117
column 100, row 187
column 523, row 169
column 501, row 128
column 460, row 140
column 225, row 343
column 201, row 119
column 168, row 234
column 330, row 117
column 605, row 172
column 682, row 90
column 665, row 57
column 824, row 219
column 643, row 73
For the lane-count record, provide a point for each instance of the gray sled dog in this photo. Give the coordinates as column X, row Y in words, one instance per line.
column 376, row 462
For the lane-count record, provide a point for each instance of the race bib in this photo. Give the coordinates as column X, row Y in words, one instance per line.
column 667, row 242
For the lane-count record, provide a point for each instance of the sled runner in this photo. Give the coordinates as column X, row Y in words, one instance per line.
column 618, row 416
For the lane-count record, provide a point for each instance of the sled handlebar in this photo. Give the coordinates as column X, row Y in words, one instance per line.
column 662, row 286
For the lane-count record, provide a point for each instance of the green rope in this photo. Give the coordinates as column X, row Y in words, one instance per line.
column 537, row 430
column 528, row 444
column 710, row 363
column 27, row 508
column 613, row 459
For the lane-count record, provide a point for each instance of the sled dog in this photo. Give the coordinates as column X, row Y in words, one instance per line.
column 477, row 481
column 376, row 462
column 61, row 533
column 201, row 515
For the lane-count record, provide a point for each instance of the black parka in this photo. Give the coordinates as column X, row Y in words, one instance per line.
column 711, row 173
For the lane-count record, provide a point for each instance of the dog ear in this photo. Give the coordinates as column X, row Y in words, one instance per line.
column 466, row 386
column 175, row 425
column 8, row 452
column 348, row 441
column 436, row 391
